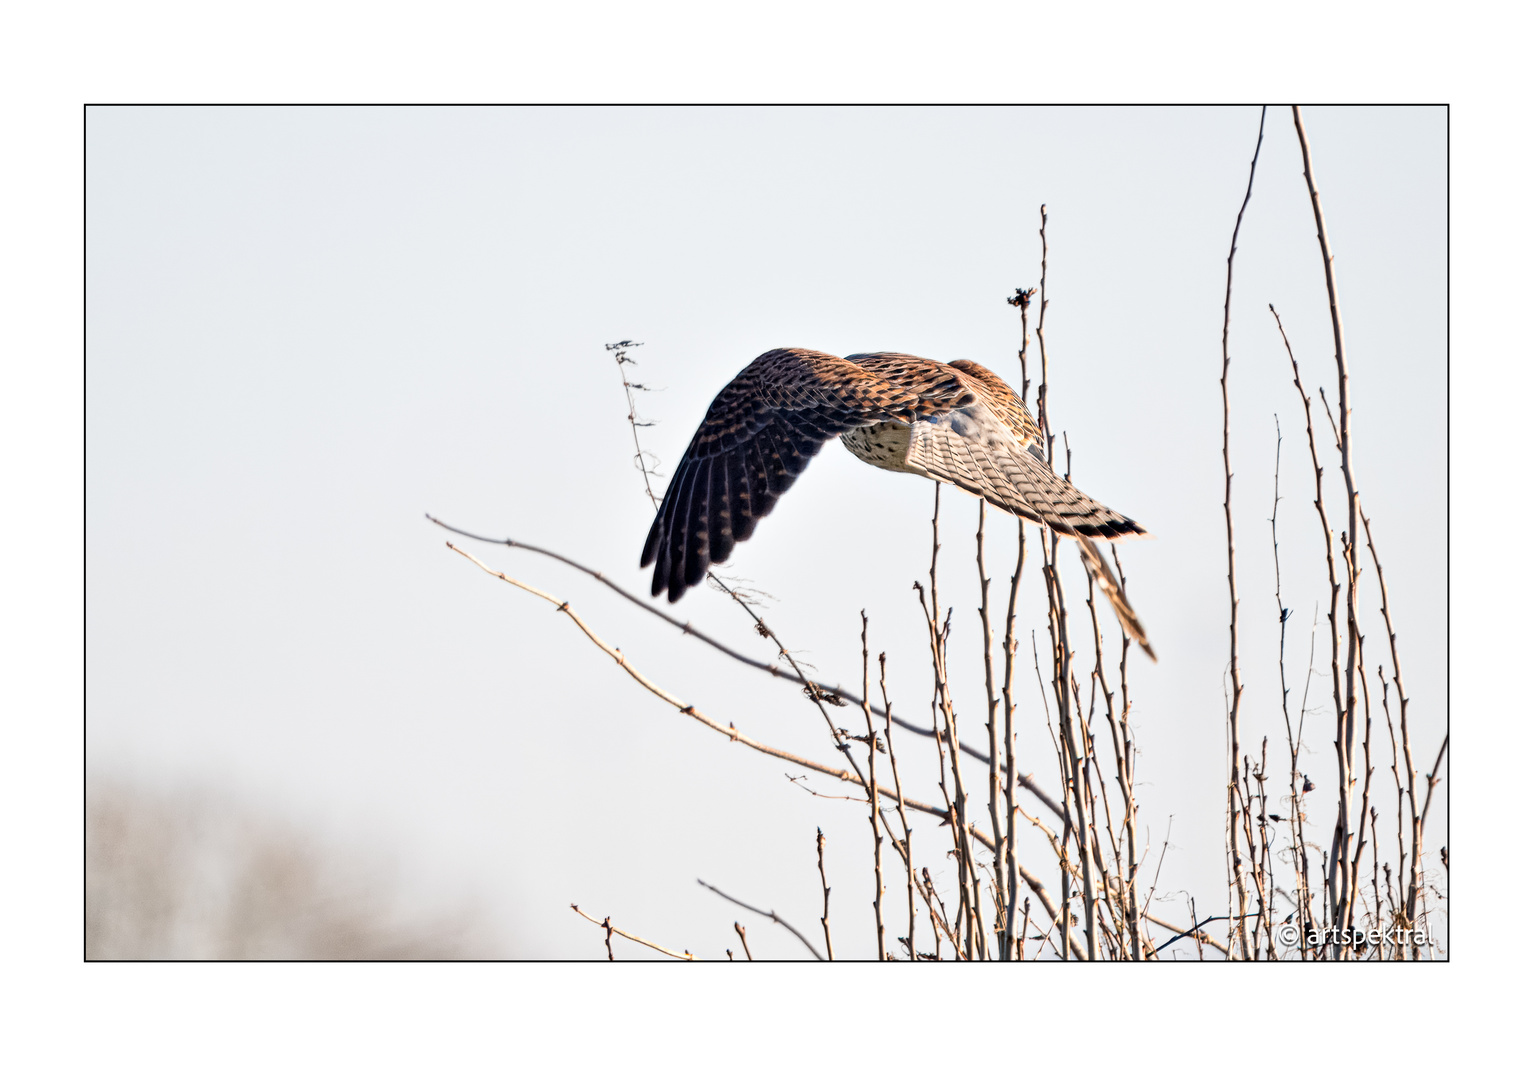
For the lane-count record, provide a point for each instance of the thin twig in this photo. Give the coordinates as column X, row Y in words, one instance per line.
column 729, row 731
column 1073, row 763
column 1118, row 726
column 826, row 892
column 939, row 917
column 905, row 848
column 1296, row 798
column 1009, row 855
column 609, row 929
column 1193, row 932
column 766, row 914
column 1433, row 778
column 798, row 782
column 871, row 739
column 1343, row 869
column 1413, row 886
column 622, row 358
column 994, row 748
column 837, row 692
column 1234, row 721
column 1343, row 758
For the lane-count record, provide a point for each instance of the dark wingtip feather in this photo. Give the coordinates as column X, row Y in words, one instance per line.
column 721, row 509
column 697, row 531
column 654, row 536
column 660, row 575
column 678, row 538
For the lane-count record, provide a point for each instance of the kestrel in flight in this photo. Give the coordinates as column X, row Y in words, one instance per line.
column 958, row 423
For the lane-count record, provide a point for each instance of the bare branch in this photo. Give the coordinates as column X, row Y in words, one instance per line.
column 1234, row 719
column 730, row 732
column 826, row 892
column 1026, row 781
column 871, row 741
column 1341, row 884
column 621, row 350
column 905, row 847
column 766, row 914
column 609, row 929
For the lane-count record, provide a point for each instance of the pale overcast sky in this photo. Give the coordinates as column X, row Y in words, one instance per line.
column 309, row 327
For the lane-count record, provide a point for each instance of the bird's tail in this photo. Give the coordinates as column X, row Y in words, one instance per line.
column 1092, row 558
column 971, row 449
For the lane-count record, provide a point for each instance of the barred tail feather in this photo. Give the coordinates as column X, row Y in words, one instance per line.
column 1097, row 567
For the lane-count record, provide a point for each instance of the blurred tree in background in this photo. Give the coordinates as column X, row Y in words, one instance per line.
column 194, row 876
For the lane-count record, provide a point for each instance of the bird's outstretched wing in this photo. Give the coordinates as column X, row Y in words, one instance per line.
column 758, row 436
